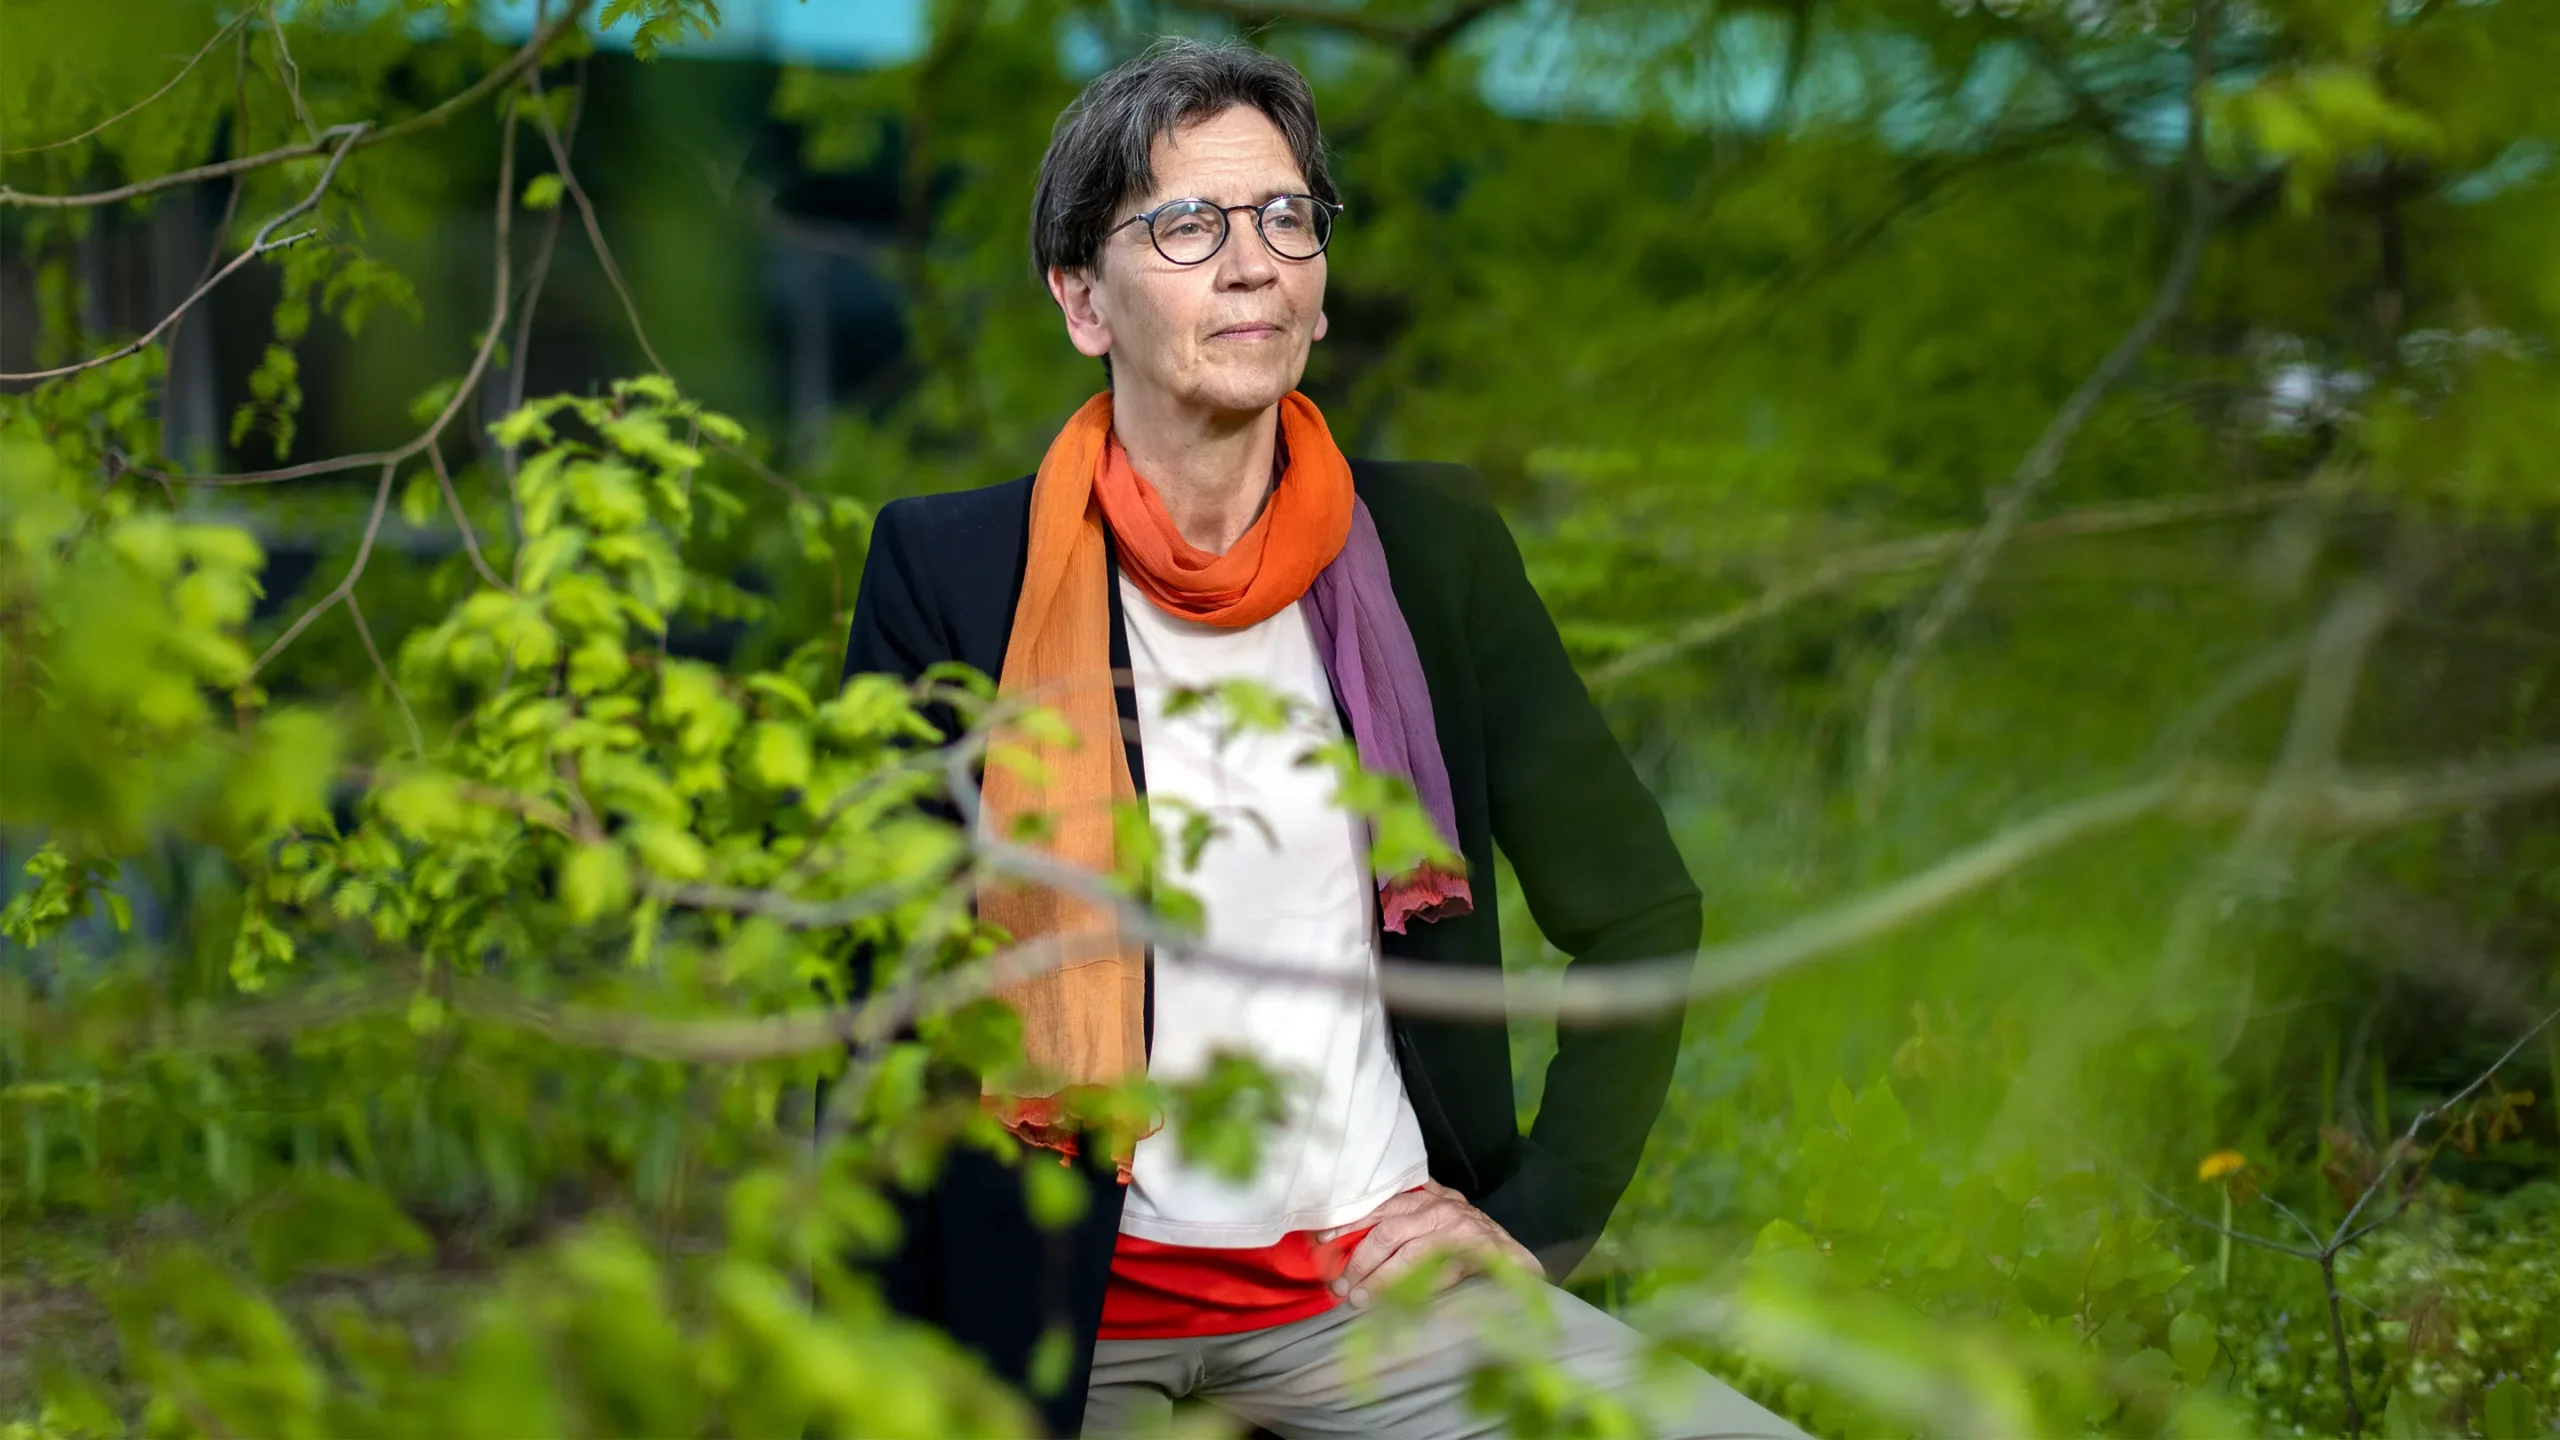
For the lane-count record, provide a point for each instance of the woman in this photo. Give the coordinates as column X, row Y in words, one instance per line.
column 1196, row 523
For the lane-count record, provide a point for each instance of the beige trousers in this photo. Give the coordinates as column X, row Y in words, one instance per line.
column 1348, row 1373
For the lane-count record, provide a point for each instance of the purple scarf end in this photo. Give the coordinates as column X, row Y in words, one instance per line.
column 1428, row 893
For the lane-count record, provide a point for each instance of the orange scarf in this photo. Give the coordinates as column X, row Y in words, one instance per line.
column 1083, row 1021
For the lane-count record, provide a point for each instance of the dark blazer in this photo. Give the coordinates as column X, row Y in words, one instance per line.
column 1533, row 769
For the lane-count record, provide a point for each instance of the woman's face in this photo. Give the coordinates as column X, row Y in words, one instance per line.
column 1226, row 336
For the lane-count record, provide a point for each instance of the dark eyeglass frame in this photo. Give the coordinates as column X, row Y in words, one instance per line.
column 1333, row 211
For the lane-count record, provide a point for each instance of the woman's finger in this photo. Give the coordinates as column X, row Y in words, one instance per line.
column 1395, row 1204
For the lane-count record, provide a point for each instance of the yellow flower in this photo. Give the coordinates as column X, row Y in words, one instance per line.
column 2221, row 1163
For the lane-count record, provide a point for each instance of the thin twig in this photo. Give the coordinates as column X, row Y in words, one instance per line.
column 346, row 586
column 2346, row 1233
column 259, row 245
column 479, row 90
column 2036, row 469
column 417, row 737
column 138, row 106
column 1839, row 571
column 212, row 261
column 470, row 539
column 1426, row 35
column 462, row 391
column 2289, row 1213
column 289, row 72
column 2217, row 1227
column 595, row 231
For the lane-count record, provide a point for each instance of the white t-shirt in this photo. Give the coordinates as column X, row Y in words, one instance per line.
column 1287, row 877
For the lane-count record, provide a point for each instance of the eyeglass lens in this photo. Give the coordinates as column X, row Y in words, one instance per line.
column 1190, row 231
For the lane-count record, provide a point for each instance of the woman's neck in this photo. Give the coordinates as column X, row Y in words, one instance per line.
column 1213, row 472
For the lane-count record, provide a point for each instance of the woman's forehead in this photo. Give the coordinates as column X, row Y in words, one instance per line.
column 1237, row 157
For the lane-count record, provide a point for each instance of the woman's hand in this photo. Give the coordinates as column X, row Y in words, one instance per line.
column 1410, row 1227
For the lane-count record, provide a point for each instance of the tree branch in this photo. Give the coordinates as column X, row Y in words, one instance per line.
column 258, row 245
column 2322, row 701
column 1409, row 986
column 470, row 540
column 485, row 86
column 346, row 586
column 409, row 717
column 1412, row 36
column 2346, row 1233
column 289, row 73
column 463, row 390
column 1839, row 571
column 146, row 102
column 2218, row 1228
column 595, row 231
column 2036, row 469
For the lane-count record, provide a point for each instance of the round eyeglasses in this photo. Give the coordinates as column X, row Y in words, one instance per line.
column 1187, row 232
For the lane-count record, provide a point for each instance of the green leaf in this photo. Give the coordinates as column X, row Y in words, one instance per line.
column 595, row 881
column 2194, row 1345
column 2507, row 1412
column 1877, row 1123
column 1053, row 1359
column 1053, row 1192
column 320, row 1219
column 985, row 1035
column 419, row 500
column 543, row 192
column 670, row 851
column 779, row 755
column 283, row 779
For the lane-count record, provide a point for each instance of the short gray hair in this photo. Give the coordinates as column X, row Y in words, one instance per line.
column 1099, row 154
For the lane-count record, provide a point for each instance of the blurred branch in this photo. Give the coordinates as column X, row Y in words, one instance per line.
column 2332, row 667
column 2036, row 469
column 146, row 102
column 1849, row 567
column 526, row 307
column 258, row 245
column 2086, row 107
column 1418, row 39
column 2345, row 805
column 2179, row 739
column 1914, row 185
column 527, row 57
column 2401, row 934
column 1409, row 986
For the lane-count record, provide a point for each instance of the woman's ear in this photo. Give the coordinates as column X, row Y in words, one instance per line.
column 1077, row 294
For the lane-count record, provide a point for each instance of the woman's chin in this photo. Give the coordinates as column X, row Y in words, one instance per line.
column 1247, row 390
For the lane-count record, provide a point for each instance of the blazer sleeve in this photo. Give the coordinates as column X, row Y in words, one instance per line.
column 895, row 628
column 1602, row 878
column 896, row 631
